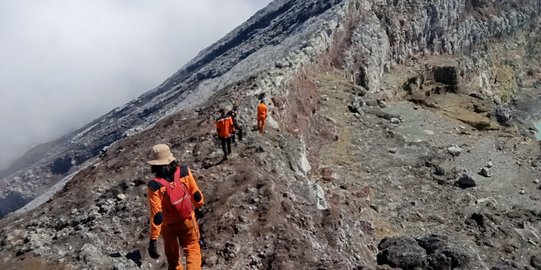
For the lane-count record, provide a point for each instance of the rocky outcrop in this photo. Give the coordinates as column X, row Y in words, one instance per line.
column 398, row 32
column 429, row 252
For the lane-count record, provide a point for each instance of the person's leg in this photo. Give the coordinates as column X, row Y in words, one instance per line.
column 228, row 145
column 190, row 244
column 193, row 255
column 240, row 133
column 224, row 146
column 171, row 246
column 259, row 124
column 263, row 125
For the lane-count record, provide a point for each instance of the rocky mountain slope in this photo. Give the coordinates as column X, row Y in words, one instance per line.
column 399, row 137
column 273, row 33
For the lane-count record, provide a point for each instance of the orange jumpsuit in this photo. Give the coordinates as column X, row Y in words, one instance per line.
column 225, row 126
column 261, row 116
column 225, row 129
column 166, row 221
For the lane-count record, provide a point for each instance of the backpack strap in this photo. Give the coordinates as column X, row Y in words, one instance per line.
column 184, row 171
column 176, row 175
column 155, row 184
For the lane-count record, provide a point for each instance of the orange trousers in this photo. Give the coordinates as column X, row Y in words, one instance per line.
column 261, row 124
column 186, row 235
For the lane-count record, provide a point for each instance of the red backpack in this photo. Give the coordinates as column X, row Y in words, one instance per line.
column 178, row 194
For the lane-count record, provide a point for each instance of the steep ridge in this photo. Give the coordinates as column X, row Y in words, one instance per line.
column 345, row 162
column 271, row 33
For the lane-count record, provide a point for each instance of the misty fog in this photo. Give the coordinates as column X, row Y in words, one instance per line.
column 67, row 62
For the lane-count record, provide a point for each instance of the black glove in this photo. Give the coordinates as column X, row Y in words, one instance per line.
column 198, row 214
column 153, row 249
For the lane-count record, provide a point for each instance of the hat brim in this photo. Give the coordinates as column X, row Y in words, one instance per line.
column 161, row 161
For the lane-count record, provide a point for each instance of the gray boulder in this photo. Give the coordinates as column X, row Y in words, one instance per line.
column 91, row 255
column 503, row 115
column 441, row 255
column 466, row 181
column 403, row 252
column 429, row 252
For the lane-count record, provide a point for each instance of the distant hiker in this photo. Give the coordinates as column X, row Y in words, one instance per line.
column 237, row 127
column 172, row 196
column 224, row 128
column 261, row 116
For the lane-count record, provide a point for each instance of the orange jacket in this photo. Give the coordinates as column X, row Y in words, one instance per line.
column 161, row 210
column 262, row 111
column 224, row 126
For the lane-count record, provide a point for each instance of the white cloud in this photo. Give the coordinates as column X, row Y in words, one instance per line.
column 66, row 62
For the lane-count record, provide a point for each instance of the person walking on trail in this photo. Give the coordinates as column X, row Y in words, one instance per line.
column 224, row 128
column 237, row 127
column 172, row 195
column 261, row 116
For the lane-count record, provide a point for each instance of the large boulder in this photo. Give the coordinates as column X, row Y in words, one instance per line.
column 403, row 252
column 503, row 115
column 429, row 252
column 466, row 181
column 441, row 254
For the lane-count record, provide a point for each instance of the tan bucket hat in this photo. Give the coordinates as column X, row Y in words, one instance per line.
column 161, row 155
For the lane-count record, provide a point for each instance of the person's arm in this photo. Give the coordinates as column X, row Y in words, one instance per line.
column 234, row 122
column 218, row 127
column 231, row 125
column 155, row 197
column 197, row 196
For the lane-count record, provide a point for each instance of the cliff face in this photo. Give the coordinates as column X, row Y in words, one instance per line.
column 398, row 32
column 381, row 112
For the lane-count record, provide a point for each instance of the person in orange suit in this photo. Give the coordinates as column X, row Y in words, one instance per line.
column 225, row 129
column 165, row 219
column 237, row 128
column 261, row 116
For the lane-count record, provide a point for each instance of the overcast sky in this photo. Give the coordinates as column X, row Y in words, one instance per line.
column 64, row 63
